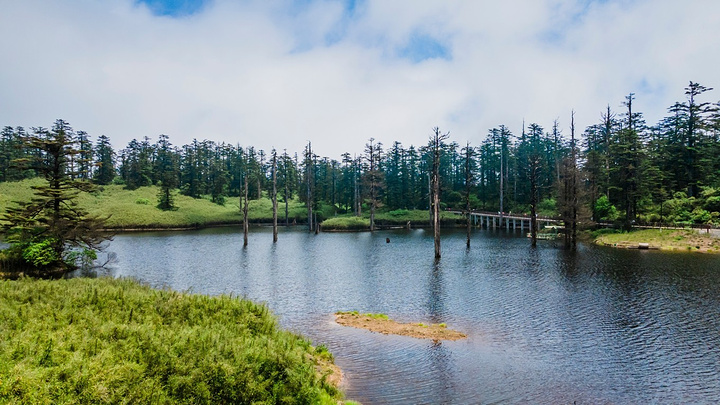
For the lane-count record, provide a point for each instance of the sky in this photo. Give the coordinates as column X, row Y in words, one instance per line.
column 279, row 74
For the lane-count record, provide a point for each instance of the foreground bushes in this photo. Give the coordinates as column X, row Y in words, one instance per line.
column 116, row 341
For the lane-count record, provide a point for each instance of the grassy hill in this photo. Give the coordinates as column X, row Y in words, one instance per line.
column 137, row 209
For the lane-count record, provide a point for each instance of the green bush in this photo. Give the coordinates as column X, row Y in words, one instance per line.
column 712, row 204
column 398, row 213
column 547, row 207
column 700, row 216
column 346, row 224
column 40, row 254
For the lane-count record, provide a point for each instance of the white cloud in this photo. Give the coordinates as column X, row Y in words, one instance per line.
column 277, row 74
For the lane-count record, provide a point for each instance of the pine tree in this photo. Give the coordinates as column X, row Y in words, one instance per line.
column 104, row 161
column 532, row 148
column 85, row 156
column 696, row 121
column 50, row 232
column 626, row 151
column 309, row 174
column 167, row 172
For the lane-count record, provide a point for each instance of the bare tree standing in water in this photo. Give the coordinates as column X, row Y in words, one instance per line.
column 436, row 144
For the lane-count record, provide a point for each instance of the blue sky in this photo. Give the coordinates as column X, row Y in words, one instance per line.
column 174, row 8
column 277, row 73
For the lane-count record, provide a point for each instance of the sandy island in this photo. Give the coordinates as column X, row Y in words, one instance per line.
column 382, row 324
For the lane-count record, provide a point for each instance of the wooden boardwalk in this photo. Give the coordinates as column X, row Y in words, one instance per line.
column 497, row 220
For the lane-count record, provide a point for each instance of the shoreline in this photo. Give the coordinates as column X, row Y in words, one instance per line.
column 137, row 228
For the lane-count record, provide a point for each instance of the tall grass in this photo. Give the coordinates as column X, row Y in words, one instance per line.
column 116, row 341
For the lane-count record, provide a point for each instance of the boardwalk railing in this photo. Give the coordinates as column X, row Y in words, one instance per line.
column 496, row 220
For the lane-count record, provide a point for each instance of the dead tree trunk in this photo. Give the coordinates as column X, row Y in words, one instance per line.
column 436, row 215
column 533, row 203
column 436, row 141
column 574, row 185
column 274, row 197
column 468, row 186
column 309, row 174
column 245, row 213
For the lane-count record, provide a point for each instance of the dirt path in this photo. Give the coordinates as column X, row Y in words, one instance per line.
column 382, row 324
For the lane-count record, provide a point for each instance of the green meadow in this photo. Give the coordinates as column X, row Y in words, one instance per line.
column 137, row 209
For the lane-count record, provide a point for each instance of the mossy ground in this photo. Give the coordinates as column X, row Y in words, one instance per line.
column 116, row 341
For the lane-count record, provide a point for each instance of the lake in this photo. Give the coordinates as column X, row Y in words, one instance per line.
column 545, row 325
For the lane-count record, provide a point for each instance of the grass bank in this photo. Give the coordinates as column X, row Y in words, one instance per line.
column 685, row 240
column 116, row 341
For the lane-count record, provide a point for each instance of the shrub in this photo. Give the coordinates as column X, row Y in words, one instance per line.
column 547, row 207
column 41, row 254
column 712, row 204
column 700, row 216
column 398, row 213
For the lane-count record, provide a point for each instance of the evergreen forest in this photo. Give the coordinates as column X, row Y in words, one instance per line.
column 619, row 169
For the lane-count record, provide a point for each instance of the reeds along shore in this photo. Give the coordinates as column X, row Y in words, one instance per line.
column 117, row 341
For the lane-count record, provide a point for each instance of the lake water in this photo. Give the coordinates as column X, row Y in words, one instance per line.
column 545, row 325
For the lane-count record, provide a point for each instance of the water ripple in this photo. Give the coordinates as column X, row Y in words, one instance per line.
column 545, row 325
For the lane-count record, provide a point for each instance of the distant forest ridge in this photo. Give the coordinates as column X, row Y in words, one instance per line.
column 625, row 170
